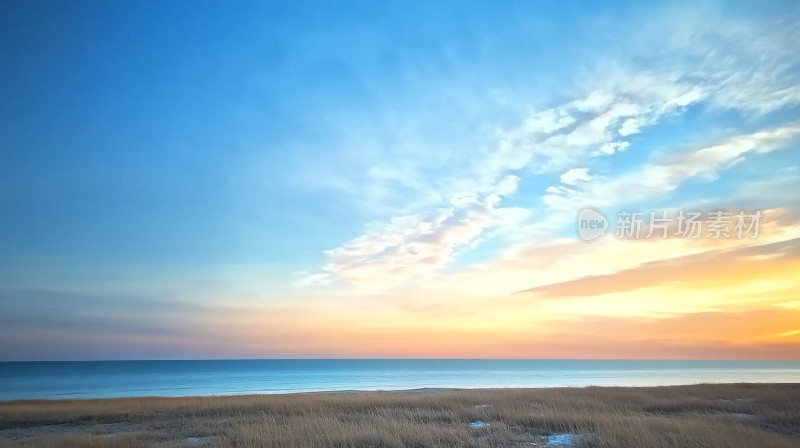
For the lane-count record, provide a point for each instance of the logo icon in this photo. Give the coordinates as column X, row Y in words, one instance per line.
column 591, row 224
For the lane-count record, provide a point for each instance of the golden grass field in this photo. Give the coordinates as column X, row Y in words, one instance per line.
column 737, row 415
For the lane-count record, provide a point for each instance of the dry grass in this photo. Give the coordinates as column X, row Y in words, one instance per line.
column 740, row 415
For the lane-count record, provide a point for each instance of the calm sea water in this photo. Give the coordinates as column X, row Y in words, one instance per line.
column 92, row 379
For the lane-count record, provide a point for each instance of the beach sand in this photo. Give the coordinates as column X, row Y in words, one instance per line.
column 735, row 415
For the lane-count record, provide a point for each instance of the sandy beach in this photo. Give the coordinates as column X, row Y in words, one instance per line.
column 735, row 415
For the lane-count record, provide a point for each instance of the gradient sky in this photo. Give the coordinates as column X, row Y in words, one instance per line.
column 192, row 179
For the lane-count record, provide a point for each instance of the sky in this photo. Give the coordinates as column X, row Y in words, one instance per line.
column 325, row 179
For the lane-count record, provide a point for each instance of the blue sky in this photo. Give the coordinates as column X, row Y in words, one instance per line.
column 163, row 163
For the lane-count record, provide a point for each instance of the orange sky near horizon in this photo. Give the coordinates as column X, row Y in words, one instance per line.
column 684, row 299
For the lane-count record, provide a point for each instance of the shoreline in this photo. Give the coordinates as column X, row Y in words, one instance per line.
column 382, row 391
column 385, row 391
column 732, row 415
column 279, row 393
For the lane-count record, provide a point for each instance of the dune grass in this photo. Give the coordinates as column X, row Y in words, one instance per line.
column 739, row 415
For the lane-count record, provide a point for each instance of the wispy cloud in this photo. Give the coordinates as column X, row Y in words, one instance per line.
column 655, row 179
column 412, row 246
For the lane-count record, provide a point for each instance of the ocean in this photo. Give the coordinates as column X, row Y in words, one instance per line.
column 103, row 379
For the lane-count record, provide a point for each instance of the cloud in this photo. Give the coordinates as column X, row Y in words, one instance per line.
column 306, row 279
column 560, row 136
column 575, row 176
column 612, row 148
column 415, row 246
column 697, row 270
column 408, row 246
column 412, row 246
column 658, row 178
column 629, row 127
column 723, row 65
column 569, row 261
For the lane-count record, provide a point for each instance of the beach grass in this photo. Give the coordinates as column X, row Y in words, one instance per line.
column 735, row 415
